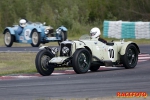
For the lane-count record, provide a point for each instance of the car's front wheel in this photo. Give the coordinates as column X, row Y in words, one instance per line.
column 35, row 39
column 81, row 61
column 130, row 58
column 8, row 39
column 42, row 62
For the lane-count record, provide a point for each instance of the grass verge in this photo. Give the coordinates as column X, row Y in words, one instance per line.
column 18, row 63
column 14, row 63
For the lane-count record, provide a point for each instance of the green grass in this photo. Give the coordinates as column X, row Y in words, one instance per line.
column 14, row 63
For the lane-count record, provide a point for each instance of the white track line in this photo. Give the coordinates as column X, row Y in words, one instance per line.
column 144, row 58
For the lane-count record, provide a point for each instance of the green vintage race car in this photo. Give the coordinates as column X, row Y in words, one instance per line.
column 87, row 54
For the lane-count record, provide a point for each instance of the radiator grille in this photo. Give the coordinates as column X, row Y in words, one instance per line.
column 68, row 45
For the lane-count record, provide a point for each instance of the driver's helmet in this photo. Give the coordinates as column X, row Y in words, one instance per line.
column 95, row 32
column 22, row 22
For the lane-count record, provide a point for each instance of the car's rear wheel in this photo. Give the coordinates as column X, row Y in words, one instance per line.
column 63, row 36
column 94, row 67
column 42, row 62
column 81, row 61
column 130, row 58
column 8, row 39
column 35, row 39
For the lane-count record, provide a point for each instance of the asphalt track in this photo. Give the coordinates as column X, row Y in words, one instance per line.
column 66, row 84
column 19, row 49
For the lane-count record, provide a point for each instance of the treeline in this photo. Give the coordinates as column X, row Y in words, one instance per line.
column 76, row 15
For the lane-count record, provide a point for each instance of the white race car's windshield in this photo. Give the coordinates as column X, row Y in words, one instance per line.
column 85, row 37
column 37, row 23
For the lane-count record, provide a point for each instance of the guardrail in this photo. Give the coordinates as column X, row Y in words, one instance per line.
column 126, row 29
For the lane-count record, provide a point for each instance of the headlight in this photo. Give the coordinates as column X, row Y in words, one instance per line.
column 54, row 50
column 58, row 31
column 65, row 50
column 46, row 31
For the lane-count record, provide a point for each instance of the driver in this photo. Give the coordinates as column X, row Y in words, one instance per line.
column 95, row 34
column 22, row 24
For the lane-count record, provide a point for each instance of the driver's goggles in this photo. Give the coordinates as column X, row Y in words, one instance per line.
column 22, row 23
column 93, row 33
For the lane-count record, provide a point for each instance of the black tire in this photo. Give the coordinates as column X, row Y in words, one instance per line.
column 94, row 67
column 130, row 58
column 35, row 39
column 8, row 39
column 81, row 61
column 41, row 62
column 63, row 36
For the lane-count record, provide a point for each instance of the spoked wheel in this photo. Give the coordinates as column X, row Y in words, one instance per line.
column 63, row 36
column 8, row 39
column 81, row 61
column 35, row 39
column 130, row 58
column 42, row 62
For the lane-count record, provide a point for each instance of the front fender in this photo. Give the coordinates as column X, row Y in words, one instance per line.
column 63, row 28
column 10, row 29
column 43, row 47
column 38, row 30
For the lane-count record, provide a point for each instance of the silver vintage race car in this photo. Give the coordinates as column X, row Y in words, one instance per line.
column 87, row 54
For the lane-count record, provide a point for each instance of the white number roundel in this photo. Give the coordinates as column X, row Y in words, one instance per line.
column 27, row 34
column 111, row 53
